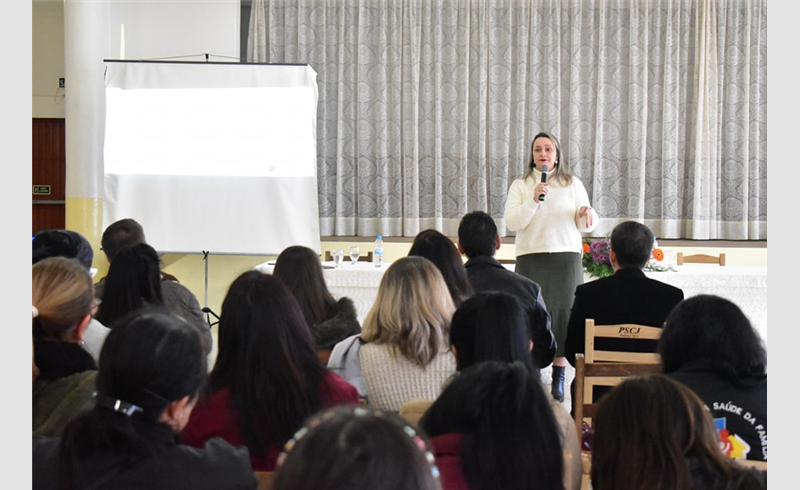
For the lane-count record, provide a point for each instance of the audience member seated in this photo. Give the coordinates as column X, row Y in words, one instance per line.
column 330, row 321
column 133, row 282
column 479, row 241
column 151, row 368
column 492, row 427
column 267, row 378
column 492, row 326
column 127, row 233
column 652, row 432
column 356, row 448
column 72, row 245
column 440, row 250
column 402, row 352
column 627, row 296
column 709, row 345
column 62, row 298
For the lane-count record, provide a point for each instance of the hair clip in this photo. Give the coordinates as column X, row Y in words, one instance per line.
column 117, row 405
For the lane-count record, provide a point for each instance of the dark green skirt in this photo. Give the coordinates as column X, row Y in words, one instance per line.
column 558, row 274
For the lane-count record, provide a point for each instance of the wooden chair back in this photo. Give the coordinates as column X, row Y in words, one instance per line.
column 265, row 479
column 609, row 368
column 701, row 259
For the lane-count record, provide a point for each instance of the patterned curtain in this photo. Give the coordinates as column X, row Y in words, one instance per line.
column 427, row 107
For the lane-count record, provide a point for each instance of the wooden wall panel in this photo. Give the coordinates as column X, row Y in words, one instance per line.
column 49, row 168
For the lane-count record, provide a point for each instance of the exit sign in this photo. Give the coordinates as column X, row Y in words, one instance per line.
column 41, row 190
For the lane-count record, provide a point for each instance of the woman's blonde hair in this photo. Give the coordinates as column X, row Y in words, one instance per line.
column 63, row 294
column 412, row 311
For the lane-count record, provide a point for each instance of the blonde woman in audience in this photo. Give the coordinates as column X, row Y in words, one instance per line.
column 403, row 350
column 63, row 298
column 655, row 433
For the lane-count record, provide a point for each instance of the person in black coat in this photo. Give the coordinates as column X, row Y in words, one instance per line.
column 628, row 296
column 479, row 241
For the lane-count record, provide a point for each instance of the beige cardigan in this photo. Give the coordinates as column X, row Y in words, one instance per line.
column 391, row 379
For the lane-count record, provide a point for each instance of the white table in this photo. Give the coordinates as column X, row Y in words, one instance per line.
column 745, row 286
column 358, row 282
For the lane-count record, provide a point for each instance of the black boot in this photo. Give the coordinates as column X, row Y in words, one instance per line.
column 557, row 388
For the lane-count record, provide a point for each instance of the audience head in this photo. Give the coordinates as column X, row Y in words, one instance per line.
column 133, row 281
column 412, row 311
column 440, row 250
column 714, row 331
column 653, row 432
column 151, row 368
column 266, row 353
column 490, row 326
column 62, row 243
column 477, row 235
column 63, row 297
column 300, row 271
column 152, row 358
column 121, row 234
column 632, row 244
column 510, row 438
column 357, row 448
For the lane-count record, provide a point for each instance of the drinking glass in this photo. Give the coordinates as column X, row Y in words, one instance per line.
column 354, row 253
column 338, row 257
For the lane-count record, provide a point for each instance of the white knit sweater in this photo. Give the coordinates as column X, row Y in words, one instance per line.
column 391, row 379
column 551, row 225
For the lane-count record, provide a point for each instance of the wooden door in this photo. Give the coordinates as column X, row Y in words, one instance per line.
column 49, row 174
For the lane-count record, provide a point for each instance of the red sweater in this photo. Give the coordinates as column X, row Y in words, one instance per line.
column 216, row 417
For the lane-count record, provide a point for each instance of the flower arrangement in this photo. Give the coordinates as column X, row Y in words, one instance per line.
column 597, row 263
column 595, row 258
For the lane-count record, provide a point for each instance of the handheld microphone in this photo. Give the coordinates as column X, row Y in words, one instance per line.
column 545, row 168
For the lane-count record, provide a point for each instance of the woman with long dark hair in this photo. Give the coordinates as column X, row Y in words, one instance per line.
column 492, row 427
column 267, row 378
column 330, row 320
column 151, row 368
column 133, row 282
column 655, row 433
column 441, row 250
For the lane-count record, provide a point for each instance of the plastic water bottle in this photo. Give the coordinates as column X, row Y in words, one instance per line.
column 377, row 257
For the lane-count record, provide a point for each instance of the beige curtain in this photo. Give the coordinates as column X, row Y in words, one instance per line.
column 427, row 107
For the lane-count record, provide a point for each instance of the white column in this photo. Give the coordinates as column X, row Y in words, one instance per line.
column 85, row 44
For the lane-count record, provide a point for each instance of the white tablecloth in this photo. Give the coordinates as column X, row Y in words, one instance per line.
column 358, row 282
column 745, row 286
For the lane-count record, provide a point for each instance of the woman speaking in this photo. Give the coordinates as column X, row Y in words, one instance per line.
column 549, row 209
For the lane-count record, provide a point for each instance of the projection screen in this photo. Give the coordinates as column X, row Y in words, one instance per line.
column 213, row 157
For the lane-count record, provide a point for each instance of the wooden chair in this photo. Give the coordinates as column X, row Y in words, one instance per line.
column 265, row 479
column 607, row 368
column 701, row 259
column 361, row 258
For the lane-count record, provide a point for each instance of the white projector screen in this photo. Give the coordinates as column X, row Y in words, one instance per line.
column 213, row 157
